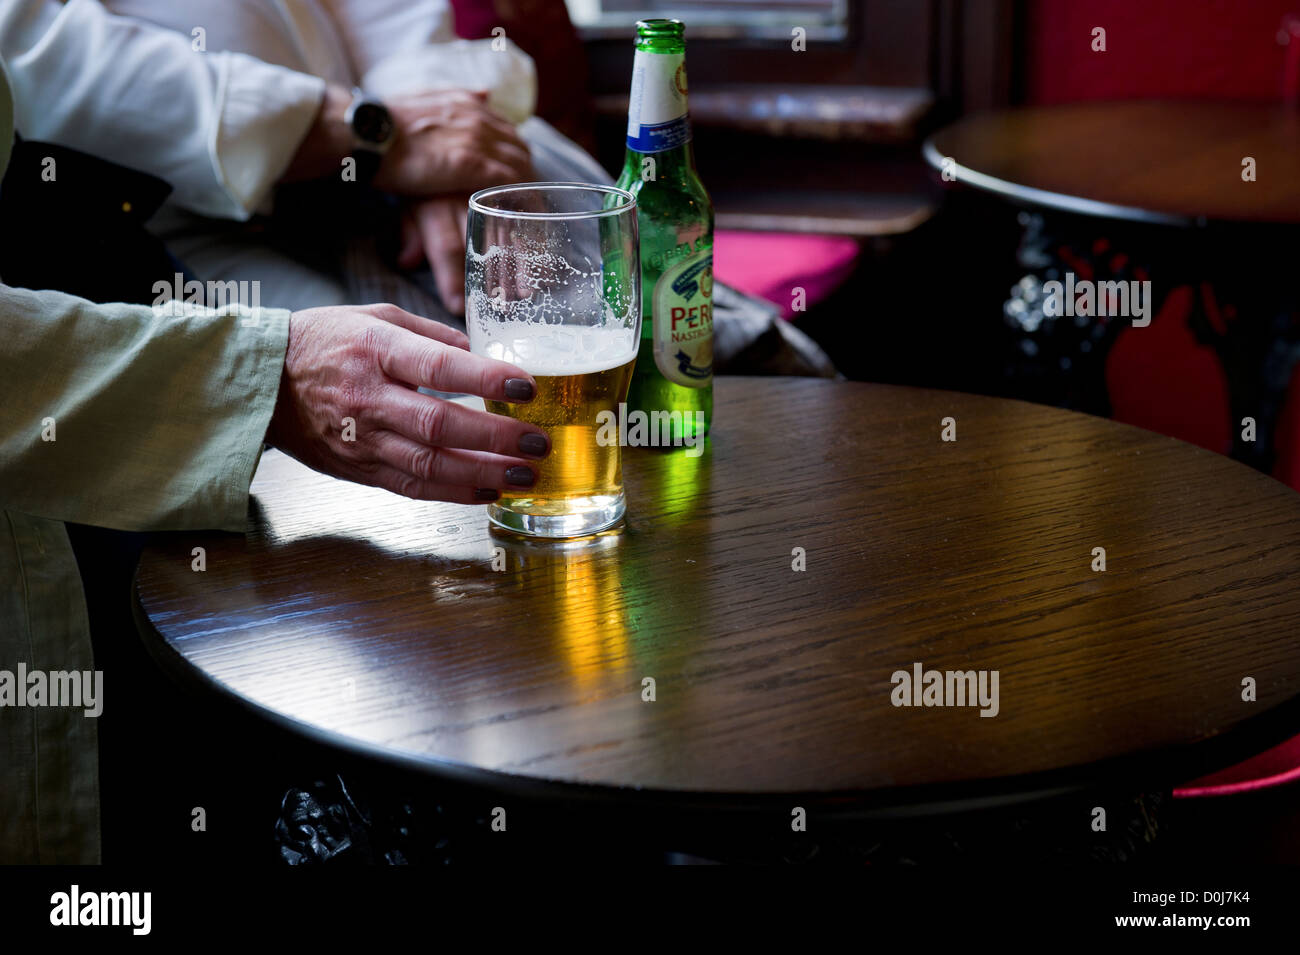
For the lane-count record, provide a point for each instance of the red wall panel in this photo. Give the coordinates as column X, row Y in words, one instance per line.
column 1221, row 49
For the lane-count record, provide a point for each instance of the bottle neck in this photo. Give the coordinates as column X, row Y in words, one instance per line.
column 671, row 165
column 658, row 119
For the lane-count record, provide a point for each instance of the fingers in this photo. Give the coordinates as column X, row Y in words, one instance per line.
column 501, row 154
column 451, row 140
column 498, row 126
column 493, row 172
column 430, row 364
column 444, row 424
column 442, row 232
column 449, row 467
column 425, row 327
column 505, row 138
column 412, row 250
column 408, row 485
column 340, row 364
column 508, row 150
column 425, row 100
column 490, row 172
column 492, row 164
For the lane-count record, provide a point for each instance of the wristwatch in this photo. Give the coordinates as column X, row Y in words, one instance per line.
column 373, row 131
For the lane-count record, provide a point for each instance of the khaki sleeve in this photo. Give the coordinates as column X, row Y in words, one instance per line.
column 131, row 417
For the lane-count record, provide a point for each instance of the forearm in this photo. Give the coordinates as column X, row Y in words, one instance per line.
column 128, row 417
column 327, row 143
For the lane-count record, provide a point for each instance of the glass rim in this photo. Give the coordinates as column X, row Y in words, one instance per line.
column 476, row 200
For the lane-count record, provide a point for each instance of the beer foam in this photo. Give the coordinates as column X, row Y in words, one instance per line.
column 548, row 313
column 552, row 350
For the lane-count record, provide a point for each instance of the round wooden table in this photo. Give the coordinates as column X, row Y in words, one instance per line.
column 1170, row 162
column 771, row 588
column 1143, row 164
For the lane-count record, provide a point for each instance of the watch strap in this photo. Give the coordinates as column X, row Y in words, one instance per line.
column 367, row 163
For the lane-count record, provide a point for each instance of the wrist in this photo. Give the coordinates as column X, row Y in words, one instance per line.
column 328, row 142
column 373, row 131
column 282, row 411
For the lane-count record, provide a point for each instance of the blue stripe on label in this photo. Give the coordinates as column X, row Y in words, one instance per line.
column 660, row 136
column 688, row 283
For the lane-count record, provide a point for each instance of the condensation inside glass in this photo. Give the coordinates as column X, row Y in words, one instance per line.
column 550, row 304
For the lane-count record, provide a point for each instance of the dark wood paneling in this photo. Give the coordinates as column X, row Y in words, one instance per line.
column 889, row 44
column 987, row 53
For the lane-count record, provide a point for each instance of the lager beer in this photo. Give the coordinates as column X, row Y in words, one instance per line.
column 553, row 286
column 581, row 475
column 674, row 367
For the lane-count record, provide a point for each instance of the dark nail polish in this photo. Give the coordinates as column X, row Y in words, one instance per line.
column 486, row 494
column 520, row 476
column 519, row 389
column 534, row 444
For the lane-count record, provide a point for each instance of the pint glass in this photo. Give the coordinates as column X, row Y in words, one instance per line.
column 553, row 286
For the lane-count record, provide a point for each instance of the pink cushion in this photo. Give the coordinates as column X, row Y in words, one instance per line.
column 771, row 265
column 1273, row 767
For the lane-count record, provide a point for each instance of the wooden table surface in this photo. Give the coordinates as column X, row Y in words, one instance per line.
column 379, row 623
column 1174, row 162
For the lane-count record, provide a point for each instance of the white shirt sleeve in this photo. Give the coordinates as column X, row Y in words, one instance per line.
column 220, row 127
column 376, row 29
column 407, row 46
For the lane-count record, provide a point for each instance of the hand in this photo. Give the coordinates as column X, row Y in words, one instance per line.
column 365, row 363
column 450, row 141
column 434, row 229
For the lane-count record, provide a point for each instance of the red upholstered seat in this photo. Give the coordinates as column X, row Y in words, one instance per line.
column 1213, row 49
column 771, row 265
column 1273, row 767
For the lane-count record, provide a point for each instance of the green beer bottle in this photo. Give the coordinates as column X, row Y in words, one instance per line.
column 674, row 366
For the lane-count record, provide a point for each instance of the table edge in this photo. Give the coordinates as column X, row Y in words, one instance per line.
column 1059, row 201
column 1159, row 770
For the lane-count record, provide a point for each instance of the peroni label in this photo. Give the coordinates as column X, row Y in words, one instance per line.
column 682, row 314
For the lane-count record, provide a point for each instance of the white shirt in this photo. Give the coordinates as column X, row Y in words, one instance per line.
column 215, row 96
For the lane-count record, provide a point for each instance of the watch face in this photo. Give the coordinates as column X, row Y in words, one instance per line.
column 372, row 123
